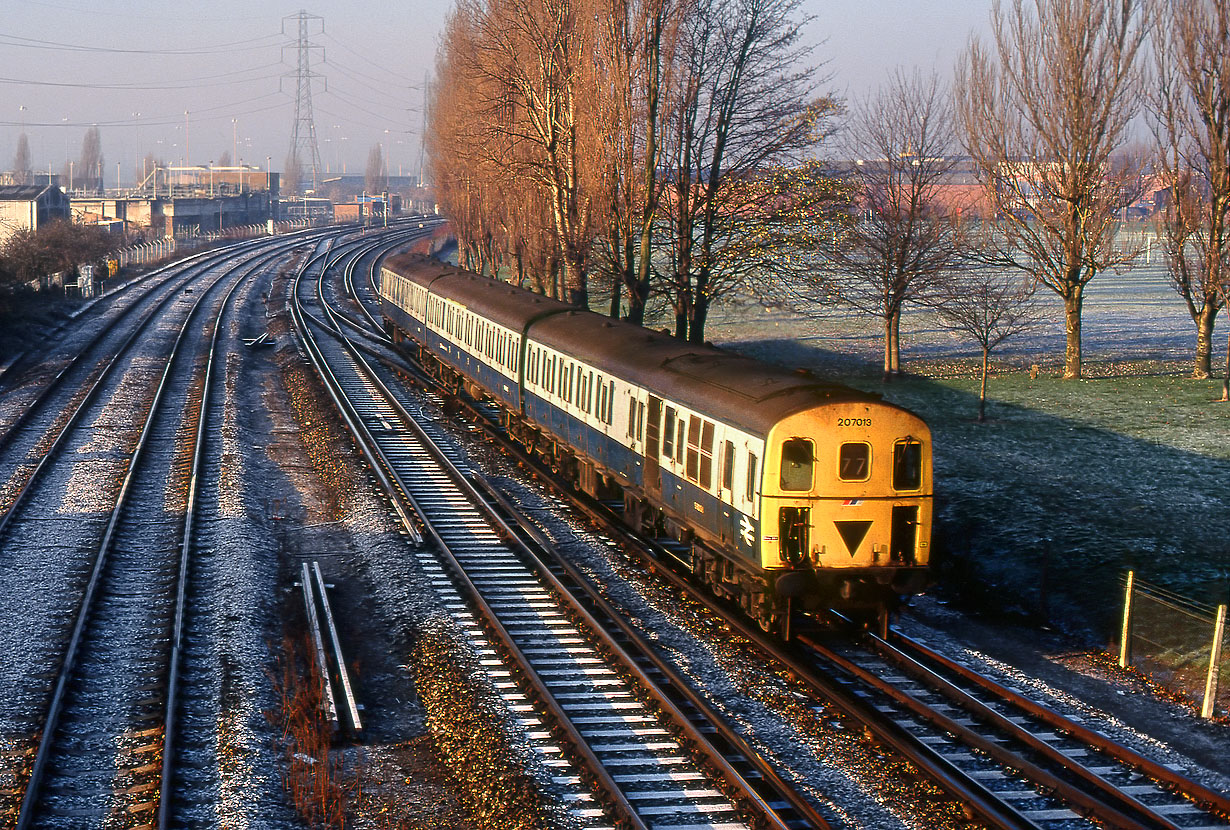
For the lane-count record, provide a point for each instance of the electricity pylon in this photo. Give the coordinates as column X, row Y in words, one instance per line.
column 303, row 147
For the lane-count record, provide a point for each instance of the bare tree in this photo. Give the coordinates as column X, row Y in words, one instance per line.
column 90, row 166
column 292, row 175
column 22, row 173
column 537, row 61
column 224, row 160
column 635, row 47
column 1044, row 112
column 1190, row 103
column 743, row 103
column 373, row 176
column 55, row 246
column 906, row 237
column 988, row 305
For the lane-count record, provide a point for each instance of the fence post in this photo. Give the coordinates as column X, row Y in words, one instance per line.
column 1210, row 683
column 1125, row 634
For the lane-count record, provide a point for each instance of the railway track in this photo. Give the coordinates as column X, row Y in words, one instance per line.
column 1047, row 769
column 99, row 542
column 1009, row 761
column 106, row 746
column 71, row 368
column 584, row 698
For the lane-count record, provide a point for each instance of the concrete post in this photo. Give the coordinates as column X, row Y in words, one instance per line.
column 1210, row 683
column 1125, row 633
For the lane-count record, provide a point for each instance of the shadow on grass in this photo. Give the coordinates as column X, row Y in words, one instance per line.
column 1040, row 510
column 26, row 317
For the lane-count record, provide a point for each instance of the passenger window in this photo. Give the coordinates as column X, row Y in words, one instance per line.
column 706, row 455
column 797, row 464
column 693, row 466
column 854, row 462
column 728, row 466
column 668, row 434
column 907, row 465
column 632, row 418
column 751, row 476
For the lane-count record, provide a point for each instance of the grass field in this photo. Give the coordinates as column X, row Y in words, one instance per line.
column 1069, row 483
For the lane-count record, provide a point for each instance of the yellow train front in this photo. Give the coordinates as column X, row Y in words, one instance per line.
column 846, row 505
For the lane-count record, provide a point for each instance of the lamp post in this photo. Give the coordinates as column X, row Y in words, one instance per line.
column 136, row 152
column 63, row 120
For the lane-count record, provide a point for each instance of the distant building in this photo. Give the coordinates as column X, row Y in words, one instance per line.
column 186, row 201
column 28, row 207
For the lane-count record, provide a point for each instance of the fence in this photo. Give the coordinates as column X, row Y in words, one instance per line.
column 1178, row 641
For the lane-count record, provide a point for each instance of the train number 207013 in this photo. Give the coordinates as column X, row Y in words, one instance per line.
column 853, row 422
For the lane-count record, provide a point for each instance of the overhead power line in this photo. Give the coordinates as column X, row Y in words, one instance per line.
column 236, row 46
column 185, row 83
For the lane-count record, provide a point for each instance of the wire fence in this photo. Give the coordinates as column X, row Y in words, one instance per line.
column 1179, row 642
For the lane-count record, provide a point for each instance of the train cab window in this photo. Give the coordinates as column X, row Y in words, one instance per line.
column 751, row 476
column 668, row 434
column 907, row 465
column 728, row 466
column 854, row 461
column 797, row 464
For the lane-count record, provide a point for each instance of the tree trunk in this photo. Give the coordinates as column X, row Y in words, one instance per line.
column 1225, row 383
column 700, row 315
column 1204, row 341
column 638, row 289
column 574, row 278
column 1072, row 325
column 896, row 346
column 982, row 394
column 888, row 348
column 616, row 291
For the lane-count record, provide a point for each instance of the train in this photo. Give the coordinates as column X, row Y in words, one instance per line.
column 778, row 490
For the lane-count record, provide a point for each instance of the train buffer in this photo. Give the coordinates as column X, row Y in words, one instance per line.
column 263, row 339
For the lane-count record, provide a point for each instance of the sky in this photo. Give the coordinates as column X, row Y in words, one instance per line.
column 193, row 80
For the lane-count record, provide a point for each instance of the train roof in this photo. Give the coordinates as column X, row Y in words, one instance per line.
column 732, row 388
column 500, row 302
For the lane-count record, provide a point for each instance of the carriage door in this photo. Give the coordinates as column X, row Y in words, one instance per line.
column 794, row 534
column 653, row 446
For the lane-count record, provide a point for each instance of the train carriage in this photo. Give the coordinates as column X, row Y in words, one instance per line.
column 781, row 487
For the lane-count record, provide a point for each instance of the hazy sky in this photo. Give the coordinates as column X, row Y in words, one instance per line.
column 134, row 68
